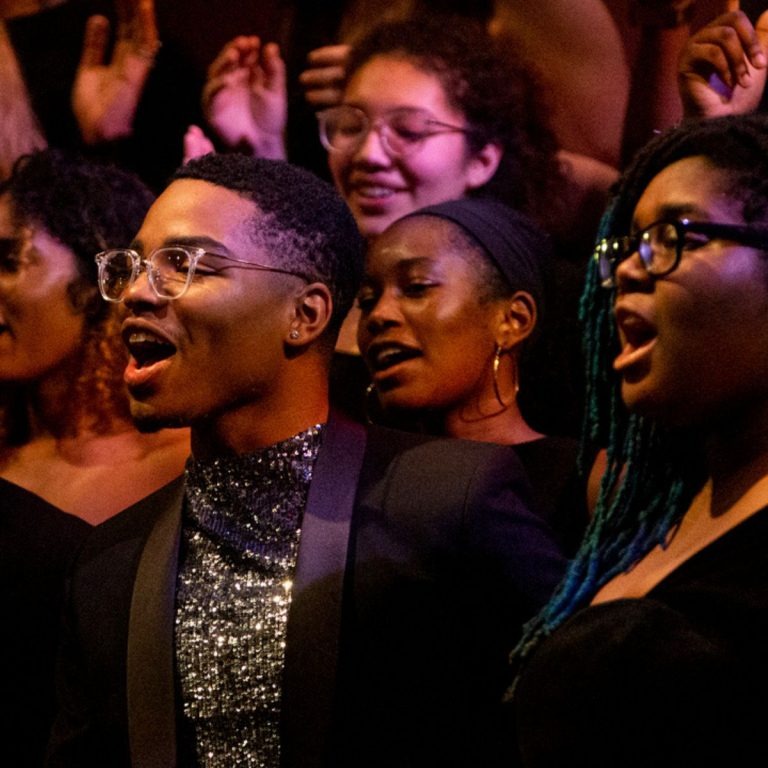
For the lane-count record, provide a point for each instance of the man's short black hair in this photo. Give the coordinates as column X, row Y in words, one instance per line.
column 302, row 221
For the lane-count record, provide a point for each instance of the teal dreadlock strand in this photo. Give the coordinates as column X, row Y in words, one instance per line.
column 643, row 492
column 652, row 473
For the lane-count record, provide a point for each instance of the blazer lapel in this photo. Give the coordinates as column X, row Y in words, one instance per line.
column 314, row 623
column 150, row 683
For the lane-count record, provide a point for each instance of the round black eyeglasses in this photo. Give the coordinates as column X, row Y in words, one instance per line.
column 661, row 245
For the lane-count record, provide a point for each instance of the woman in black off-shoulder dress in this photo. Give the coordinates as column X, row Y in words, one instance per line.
column 37, row 544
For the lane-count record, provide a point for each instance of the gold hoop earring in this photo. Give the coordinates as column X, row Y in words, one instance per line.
column 496, row 389
column 495, row 368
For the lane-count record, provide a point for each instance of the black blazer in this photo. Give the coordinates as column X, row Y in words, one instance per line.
column 418, row 562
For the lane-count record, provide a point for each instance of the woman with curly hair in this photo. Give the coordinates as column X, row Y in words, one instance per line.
column 69, row 454
column 431, row 112
column 64, row 423
column 651, row 652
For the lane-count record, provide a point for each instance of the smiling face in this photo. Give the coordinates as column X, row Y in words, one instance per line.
column 427, row 339
column 41, row 332
column 219, row 348
column 380, row 189
column 694, row 344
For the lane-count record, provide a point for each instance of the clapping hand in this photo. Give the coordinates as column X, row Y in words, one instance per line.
column 245, row 100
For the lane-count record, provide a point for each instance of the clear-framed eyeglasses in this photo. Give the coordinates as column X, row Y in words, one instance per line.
column 402, row 131
column 170, row 270
column 661, row 245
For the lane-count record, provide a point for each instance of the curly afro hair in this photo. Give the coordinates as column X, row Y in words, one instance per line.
column 498, row 96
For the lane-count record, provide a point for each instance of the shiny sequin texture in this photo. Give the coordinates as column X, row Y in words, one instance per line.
column 240, row 542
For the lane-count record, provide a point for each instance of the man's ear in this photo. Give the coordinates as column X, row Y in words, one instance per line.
column 312, row 313
column 517, row 320
column 483, row 164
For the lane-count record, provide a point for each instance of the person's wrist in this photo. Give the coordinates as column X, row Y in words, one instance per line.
column 258, row 143
column 269, row 146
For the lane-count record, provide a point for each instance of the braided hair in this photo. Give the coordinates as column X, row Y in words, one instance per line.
column 653, row 472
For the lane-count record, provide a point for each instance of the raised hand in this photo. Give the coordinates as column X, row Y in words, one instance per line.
column 722, row 68
column 245, row 99
column 105, row 94
column 323, row 80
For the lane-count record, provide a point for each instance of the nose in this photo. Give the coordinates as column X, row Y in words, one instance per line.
column 631, row 274
column 140, row 292
column 7, row 281
column 371, row 149
column 384, row 314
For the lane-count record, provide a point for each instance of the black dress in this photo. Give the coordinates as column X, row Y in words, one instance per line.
column 37, row 543
column 677, row 678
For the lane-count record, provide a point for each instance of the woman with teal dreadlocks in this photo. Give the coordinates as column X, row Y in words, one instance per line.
column 654, row 649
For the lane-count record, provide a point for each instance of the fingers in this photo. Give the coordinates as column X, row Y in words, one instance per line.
column 145, row 34
column 321, row 98
column 273, row 67
column 329, row 56
column 322, row 77
column 137, row 41
column 724, row 47
column 230, row 67
column 323, row 82
column 242, row 51
column 94, row 41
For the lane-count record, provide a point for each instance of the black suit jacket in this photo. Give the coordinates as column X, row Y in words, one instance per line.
column 418, row 562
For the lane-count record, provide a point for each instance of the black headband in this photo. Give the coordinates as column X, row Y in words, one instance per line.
column 515, row 244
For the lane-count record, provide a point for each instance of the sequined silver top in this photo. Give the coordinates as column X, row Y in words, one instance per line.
column 240, row 539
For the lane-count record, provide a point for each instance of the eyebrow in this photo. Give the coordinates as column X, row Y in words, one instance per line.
column 676, row 211
column 403, row 266
column 207, row 243
column 389, row 110
column 416, row 261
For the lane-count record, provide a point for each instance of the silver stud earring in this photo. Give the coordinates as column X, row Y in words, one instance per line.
column 294, row 334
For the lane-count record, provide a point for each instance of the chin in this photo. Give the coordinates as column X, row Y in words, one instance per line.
column 146, row 419
column 666, row 411
column 369, row 230
column 396, row 399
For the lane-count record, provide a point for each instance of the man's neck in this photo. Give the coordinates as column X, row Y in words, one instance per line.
column 254, row 427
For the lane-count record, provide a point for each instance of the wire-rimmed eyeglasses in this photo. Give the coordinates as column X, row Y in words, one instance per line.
column 661, row 245
column 401, row 131
column 170, row 270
